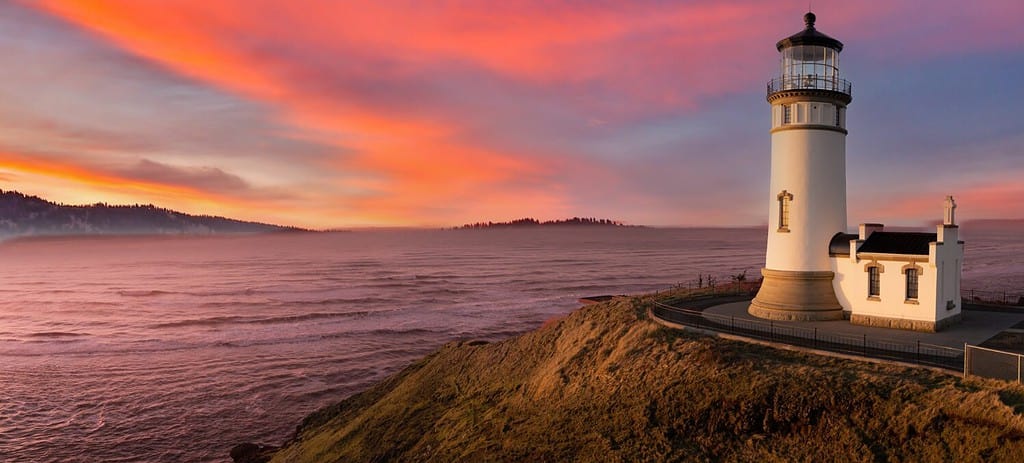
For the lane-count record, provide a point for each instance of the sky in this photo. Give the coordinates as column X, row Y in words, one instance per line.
column 330, row 114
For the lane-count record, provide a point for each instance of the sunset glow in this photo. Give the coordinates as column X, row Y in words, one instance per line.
column 334, row 114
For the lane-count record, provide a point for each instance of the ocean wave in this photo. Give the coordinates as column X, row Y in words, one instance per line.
column 230, row 292
column 312, row 316
column 56, row 334
column 399, row 331
column 438, row 276
column 143, row 293
column 63, row 347
column 203, row 321
column 250, row 320
column 346, row 300
column 278, row 303
column 348, row 334
column 390, row 284
column 162, row 292
column 570, row 288
column 443, row 291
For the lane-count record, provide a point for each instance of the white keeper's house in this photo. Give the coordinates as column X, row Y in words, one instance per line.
column 815, row 269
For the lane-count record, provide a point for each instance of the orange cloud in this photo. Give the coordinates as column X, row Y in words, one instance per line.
column 90, row 177
column 62, row 181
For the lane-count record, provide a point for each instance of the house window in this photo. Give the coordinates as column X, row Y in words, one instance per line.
column 787, row 114
column 911, row 283
column 784, row 198
column 874, row 285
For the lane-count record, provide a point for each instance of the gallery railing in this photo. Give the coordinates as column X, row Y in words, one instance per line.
column 810, row 82
column 916, row 352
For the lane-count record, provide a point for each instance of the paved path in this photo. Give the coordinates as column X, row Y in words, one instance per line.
column 975, row 328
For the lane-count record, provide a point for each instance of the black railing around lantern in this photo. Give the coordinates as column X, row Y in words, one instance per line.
column 810, row 82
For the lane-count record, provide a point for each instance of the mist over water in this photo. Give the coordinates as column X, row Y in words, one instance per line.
column 177, row 348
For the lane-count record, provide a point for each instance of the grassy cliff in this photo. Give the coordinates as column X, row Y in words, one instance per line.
column 607, row 384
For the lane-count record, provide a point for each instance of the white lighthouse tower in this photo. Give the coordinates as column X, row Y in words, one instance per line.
column 807, row 200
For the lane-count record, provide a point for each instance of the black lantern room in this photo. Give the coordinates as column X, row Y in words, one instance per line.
column 810, row 61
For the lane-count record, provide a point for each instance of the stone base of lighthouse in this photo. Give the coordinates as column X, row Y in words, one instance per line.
column 796, row 296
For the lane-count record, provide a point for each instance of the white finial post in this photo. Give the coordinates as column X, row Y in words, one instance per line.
column 950, row 212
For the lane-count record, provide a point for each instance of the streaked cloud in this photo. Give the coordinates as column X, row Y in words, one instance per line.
column 202, row 178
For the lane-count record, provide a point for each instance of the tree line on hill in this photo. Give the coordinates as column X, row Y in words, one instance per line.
column 531, row 222
column 22, row 215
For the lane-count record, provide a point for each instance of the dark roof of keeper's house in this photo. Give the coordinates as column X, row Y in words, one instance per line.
column 840, row 244
column 809, row 36
column 912, row 243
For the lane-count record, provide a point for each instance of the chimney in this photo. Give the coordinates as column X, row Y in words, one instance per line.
column 866, row 229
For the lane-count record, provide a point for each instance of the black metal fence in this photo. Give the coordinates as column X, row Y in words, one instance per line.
column 992, row 297
column 768, row 330
column 717, row 290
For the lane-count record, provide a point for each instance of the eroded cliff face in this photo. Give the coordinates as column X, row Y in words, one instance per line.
column 607, row 384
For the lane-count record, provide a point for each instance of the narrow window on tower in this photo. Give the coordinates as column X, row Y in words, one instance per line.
column 787, row 114
column 837, row 117
column 911, row 284
column 784, row 198
column 873, row 282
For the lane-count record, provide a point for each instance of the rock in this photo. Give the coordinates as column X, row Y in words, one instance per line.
column 252, row 453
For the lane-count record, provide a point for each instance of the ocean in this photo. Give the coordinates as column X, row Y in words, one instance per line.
column 176, row 348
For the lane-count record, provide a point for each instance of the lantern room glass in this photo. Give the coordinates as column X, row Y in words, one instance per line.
column 810, row 66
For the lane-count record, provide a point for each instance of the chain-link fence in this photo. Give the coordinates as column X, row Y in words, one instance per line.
column 991, row 363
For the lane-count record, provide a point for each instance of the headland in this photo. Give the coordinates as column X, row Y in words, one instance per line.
column 607, row 383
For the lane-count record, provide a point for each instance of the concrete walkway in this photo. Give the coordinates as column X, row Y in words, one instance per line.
column 975, row 328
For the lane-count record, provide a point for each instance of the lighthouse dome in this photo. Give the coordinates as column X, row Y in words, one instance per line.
column 809, row 36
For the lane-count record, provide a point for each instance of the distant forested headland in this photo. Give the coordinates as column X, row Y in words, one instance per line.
column 23, row 215
column 531, row 222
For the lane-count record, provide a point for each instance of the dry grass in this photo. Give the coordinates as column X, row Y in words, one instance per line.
column 605, row 384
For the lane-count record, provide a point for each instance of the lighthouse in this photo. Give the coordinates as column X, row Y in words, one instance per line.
column 814, row 269
column 807, row 197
